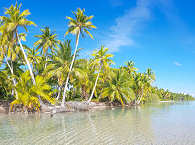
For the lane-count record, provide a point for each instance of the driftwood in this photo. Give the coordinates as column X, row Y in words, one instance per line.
column 71, row 107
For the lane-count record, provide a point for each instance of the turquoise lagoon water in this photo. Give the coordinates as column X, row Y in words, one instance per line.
column 157, row 124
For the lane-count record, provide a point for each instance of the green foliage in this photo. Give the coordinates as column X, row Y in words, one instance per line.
column 80, row 24
column 5, row 86
column 119, row 87
column 47, row 41
column 51, row 59
column 28, row 93
column 152, row 99
column 165, row 95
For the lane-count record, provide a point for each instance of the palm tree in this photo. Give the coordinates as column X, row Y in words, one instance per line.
column 9, row 52
column 118, row 87
column 82, row 76
column 139, row 86
column 130, row 68
column 150, row 74
column 143, row 84
column 77, row 26
column 11, row 23
column 47, row 41
column 35, row 59
column 28, row 93
column 101, row 60
column 61, row 61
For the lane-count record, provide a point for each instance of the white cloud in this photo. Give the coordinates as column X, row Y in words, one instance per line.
column 127, row 25
column 177, row 63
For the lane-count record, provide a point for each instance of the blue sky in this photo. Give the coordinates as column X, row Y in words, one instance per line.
column 159, row 34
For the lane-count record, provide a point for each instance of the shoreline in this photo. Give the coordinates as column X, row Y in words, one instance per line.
column 171, row 101
column 70, row 106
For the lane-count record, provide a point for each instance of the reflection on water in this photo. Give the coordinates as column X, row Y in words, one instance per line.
column 165, row 123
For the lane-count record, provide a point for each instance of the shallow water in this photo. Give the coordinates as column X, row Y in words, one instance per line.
column 160, row 124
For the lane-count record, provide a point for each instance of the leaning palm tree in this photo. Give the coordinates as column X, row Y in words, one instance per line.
column 10, row 24
column 148, row 79
column 143, row 84
column 101, row 60
column 77, row 26
column 9, row 53
column 139, row 84
column 3, row 51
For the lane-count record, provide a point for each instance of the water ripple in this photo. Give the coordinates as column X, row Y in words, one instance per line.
column 149, row 125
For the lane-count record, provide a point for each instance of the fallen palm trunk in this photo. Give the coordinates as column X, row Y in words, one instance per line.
column 69, row 107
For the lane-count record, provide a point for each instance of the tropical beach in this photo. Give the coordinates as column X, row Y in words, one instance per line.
column 53, row 90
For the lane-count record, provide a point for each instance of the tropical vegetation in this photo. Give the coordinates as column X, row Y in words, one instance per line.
column 52, row 72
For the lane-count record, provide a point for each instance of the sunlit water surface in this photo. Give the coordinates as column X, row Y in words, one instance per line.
column 160, row 124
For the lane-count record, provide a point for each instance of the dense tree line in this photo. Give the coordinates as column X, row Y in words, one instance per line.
column 49, row 71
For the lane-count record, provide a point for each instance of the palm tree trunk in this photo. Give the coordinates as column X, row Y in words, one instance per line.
column 95, row 85
column 29, row 67
column 59, row 91
column 27, row 62
column 46, row 60
column 140, row 98
column 12, row 72
column 73, row 59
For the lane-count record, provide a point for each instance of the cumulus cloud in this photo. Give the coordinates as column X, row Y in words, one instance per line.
column 127, row 25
